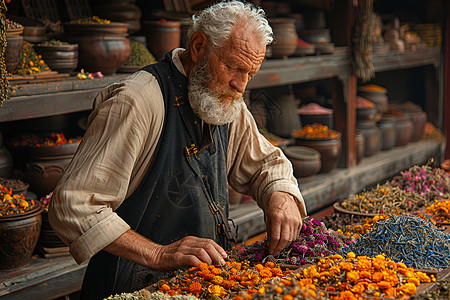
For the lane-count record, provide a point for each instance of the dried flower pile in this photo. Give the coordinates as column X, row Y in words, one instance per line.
column 340, row 221
column 30, row 62
column 316, row 131
column 430, row 183
column 364, row 276
column 357, row 230
column 408, row 239
column 46, row 200
column 384, row 199
column 33, row 140
column 13, row 204
column 91, row 20
column 206, row 281
column 146, row 295
column 313, row 242
column 439, row 211
column 11, row 25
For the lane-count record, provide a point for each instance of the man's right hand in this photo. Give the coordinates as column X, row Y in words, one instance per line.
column 189, row 251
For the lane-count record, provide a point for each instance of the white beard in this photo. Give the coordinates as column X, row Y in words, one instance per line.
column 205, row 103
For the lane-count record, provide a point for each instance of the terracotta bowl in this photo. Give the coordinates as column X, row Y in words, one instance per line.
column 305, row 161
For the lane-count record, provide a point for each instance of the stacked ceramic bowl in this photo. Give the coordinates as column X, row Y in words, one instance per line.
column 59, row 56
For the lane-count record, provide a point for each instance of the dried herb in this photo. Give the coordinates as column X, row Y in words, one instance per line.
column 53, row 42
column 385, row 199
column 91, row 20
column 3, row 72
column 406, row 238
column 140, row 56
column 13, row 204
column 30, row 62
column 13, row 184
column 442, row 292
column 364, row 36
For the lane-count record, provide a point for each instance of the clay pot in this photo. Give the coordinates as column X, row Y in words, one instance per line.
column 44, row 173
column 315, row 113
column 366, row 113
column 61, row 58
column 121, row 11
column 284, row 120
column 378, row 98
column 359, row 146
column 388, row 132
column 12, row 51
column 48, row 237
column 285, row 36
column 316, row 36
column 372, row 136
column 18, row 238
column 418, row 119
column 162, row 37
column 45, row 166
column 330, row 151
column 403, row 128
column 101, row 47
column 305, row 161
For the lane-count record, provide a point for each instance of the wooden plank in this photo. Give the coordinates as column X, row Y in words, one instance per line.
column 26, row 107
column 393, row 60
column 56, row 277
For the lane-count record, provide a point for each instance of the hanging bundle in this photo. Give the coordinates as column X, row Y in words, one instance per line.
column 365, row 34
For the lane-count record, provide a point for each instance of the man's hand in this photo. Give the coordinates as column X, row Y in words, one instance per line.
column 283, row 221
column 189, row 251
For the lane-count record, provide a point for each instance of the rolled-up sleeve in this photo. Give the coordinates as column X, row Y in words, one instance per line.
column 256, row 167
column 115, row 152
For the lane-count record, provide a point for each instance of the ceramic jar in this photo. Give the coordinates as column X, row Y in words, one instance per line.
column 315, row 113
column 45, row 166
column 330, row 151
column 372, row 136
column 285, row 37
column 305, row 161
column 388, row 132
column 376, row 95
column 162, row 36
column 418, row 119
column 119, row 11
column 403, row 128
column 12, row 51
column 18, row 238
column 359, row 146
column 101, row 47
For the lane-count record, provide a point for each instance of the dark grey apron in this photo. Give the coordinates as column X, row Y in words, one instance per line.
column 184, row 191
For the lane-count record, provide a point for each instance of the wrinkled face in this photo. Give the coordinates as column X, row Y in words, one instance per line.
column 218, row 81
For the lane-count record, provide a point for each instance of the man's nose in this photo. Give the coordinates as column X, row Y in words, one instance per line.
column 239, row 84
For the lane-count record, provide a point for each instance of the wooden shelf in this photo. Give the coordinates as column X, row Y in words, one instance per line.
column 393, row 60
column 43, row 278
column 322, row 190
column 276, row 72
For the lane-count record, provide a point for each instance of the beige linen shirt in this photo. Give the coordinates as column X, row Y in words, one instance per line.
column 123, row 131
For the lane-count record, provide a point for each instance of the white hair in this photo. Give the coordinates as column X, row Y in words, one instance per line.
column 218, row 20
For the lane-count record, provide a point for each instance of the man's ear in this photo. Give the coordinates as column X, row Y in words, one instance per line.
column 198, row 46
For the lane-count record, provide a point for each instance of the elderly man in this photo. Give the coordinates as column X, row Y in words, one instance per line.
column 147, row 189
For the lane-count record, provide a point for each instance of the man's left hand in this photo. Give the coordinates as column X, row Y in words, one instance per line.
column 283, row 221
